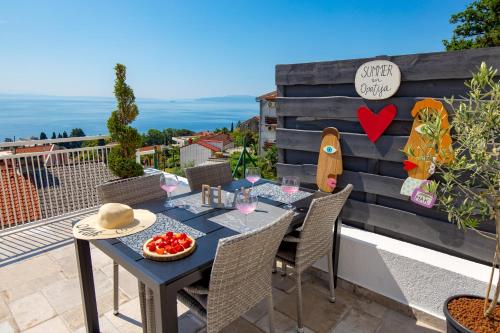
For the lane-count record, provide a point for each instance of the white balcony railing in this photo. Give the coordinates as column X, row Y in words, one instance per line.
column 42, row 183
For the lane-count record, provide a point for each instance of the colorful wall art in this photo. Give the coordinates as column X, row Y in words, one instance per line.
column 329, row 161
column 375, row 124
column 421, row 154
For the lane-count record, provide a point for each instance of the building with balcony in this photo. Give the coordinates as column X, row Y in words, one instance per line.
column 268, row 120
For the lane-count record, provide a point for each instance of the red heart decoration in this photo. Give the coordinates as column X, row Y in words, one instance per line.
column 375, row 124
column 409, row 165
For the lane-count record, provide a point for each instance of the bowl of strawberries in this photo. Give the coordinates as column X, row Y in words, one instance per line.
column 169, row 246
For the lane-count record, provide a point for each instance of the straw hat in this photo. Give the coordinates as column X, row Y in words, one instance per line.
column 113, row 220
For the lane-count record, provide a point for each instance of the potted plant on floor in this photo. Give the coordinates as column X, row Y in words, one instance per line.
column 121, row 160
column 468, row 188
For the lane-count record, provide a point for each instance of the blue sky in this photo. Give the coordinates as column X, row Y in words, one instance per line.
column 180, row 49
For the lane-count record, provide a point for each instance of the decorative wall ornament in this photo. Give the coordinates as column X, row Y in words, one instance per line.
column 408, row 165
column 329, row 160
column 410, row 184
column 375, row 124
column 377, row 79
column 422, row 196
column 419, row 146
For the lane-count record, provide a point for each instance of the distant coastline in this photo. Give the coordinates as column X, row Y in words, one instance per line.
column 28, row 115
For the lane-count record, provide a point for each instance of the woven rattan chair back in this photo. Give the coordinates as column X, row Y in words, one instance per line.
column 317, row 230
column 211, row 174
column 241, row 273
column 132, row 191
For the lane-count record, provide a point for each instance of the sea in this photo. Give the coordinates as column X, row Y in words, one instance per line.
column 26, row 116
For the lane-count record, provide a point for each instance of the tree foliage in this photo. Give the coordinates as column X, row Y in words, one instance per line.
column 43, row 136
column 122, row 156
column 469, row 185
column 476, row 27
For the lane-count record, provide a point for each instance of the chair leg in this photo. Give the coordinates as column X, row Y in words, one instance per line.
column 300, row 325
column 330, row 277
column 115, row 288
column 142, row 302
column 271, row 313
column 283, row 268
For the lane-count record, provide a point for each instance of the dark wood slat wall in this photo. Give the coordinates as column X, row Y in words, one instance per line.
column 318, row 95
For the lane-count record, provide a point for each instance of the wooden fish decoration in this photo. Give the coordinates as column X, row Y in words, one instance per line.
column 329, row 160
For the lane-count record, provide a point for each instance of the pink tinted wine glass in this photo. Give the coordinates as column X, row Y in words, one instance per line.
column 168, row 183
column 252, row 174
column 246, row 203
column 290, row 186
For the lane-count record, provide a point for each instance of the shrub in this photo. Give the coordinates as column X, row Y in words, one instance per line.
column 469, row 185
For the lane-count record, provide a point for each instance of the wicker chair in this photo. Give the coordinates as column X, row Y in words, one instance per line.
column 130, row 191
column 211, row 174
column 240, row 278
column 312, row 241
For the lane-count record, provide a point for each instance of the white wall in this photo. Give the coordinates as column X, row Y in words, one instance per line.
column 409, row 274
column 194, row 153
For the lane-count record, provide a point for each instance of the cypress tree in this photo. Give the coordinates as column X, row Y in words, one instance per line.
column 122, row 156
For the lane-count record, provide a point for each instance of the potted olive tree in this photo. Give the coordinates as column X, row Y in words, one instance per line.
column 468, row 188
column 133, row 186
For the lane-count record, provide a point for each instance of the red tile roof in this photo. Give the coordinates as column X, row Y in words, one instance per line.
column 14, row 202
column 224, row 138
column 34, row 149
column 149, row 148
column 270, row 96
column 205, row 144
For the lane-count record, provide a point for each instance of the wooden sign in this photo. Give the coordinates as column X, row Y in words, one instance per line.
column 377, row 79
column 423, row 198
column 329, row 161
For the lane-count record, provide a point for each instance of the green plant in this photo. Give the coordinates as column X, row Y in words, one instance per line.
column 468, row 188
column 478, row 26
column 122, row 156
column 267, row 163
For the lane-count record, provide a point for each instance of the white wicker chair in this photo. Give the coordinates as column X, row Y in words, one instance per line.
column 211, row 174
column 240, row 277
column 312, row 241
column 130, row 191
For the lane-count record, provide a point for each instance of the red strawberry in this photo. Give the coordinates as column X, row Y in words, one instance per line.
column 169, row 234
column 152, row 247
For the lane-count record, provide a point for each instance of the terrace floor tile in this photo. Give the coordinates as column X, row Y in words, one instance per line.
column 357, row 322
column 319, row 314
column 31, row 310
column 53, row 325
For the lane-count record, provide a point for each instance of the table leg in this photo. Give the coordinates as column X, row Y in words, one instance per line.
column 165, row 303
column 87, row 288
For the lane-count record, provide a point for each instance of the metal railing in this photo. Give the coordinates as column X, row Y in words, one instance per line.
column 41, row 185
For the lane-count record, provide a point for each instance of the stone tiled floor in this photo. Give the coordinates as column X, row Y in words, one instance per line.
column 41, row 294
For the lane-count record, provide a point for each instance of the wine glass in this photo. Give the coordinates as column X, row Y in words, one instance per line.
column 169, row 183
column 246, row 203
column 252, row 174
column 290, row 185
